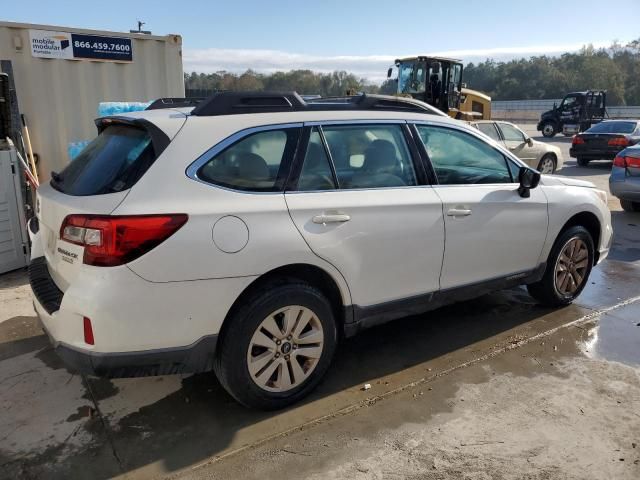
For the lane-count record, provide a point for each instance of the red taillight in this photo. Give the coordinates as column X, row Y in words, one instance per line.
column 624, row 162
column 620, row 162
column 577, row 140
column 110, row 241
column 618, row 142
column 88, row 331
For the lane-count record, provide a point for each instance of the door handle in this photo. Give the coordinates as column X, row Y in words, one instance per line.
column 459, row 212
column 331, row 218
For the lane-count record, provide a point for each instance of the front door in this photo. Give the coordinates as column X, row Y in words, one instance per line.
column 516, row 141
column 360, row 206
column 491, row 231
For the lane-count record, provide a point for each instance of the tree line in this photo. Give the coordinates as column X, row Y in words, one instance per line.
column 615, row 69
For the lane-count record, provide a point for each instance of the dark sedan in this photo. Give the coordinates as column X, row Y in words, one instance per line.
column 604, row 140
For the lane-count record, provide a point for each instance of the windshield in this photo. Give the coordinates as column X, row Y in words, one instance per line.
column 568, row 103
column 613, row 127
column 114, row 161
column 412, row 77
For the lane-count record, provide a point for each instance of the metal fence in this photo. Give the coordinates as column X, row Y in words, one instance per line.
column 530, row 110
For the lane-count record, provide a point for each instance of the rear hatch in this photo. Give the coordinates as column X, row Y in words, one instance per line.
column 95, row 182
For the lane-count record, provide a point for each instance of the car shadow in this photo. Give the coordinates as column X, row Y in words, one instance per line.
column 200, row 420
column 595, row 167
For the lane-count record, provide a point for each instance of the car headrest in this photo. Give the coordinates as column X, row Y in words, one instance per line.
column 251, row 165
column 380, row 156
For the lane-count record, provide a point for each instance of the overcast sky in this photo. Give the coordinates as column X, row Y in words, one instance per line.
column 361, row 37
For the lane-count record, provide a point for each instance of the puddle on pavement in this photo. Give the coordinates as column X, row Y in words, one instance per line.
column 616, row 336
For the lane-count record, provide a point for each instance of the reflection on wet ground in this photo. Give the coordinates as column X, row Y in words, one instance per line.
column 616, row 336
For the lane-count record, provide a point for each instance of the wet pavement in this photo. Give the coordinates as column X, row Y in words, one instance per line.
column 57, row 424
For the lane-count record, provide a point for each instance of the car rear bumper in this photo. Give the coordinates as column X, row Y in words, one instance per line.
column 139, row 327
column 594, row 154
column 194, row 358
column 623, row 185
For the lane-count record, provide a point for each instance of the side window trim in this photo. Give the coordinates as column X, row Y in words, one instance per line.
column 192, row 170
column 423, row 177
column 507, row 156
column 327, row 152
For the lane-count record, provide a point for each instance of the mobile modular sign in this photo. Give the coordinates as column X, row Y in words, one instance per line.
column 75, row 46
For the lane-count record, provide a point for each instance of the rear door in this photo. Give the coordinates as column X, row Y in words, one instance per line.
column 361, row 204
column 490, row 129
column 96, row 182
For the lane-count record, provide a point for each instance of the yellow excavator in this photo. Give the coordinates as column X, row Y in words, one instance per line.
column 438, row 82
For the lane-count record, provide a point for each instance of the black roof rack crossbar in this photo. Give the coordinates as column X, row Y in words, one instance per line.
column 230, row 103
column 175, row 102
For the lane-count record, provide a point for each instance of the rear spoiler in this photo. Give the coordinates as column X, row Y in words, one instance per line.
column 159, row 139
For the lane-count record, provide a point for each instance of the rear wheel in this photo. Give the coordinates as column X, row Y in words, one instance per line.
column 583, row 162
column 568, row 268
column 549, row 129
column 629, row 206
column 277, row 346
column 547, row 164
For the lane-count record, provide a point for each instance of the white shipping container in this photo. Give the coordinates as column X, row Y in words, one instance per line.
column 60, row 79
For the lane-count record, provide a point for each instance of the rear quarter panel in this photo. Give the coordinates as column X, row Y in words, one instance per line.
column 191, row 254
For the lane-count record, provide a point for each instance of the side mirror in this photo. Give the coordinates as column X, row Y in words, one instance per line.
column 389, row 72
column 529, row 141
column 528, row 178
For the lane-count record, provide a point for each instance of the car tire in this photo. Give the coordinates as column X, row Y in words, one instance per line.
column 629, row 206
column 549, row 130
column 583, row 162
column 241, row 350
column 556, row 289
column 548, row 162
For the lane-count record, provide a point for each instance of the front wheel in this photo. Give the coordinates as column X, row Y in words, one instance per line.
column 568, row 268
column 549, row 130
column 547, row 165
column 277, row 345
column 629, row 206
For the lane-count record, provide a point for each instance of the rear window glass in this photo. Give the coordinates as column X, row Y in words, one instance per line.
column 255, row 163
column 114, row 161
column 613, row 127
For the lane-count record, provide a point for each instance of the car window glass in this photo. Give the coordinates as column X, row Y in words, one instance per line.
column 316, row 171
column 460, row 158
column 489, row 130
column 253, row 163
column 511, row 133
column 613, row 127
column 114, row 161
column 515, row 170
column 370, row 156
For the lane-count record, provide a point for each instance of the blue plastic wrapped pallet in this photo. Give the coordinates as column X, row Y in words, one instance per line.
column 115, row 108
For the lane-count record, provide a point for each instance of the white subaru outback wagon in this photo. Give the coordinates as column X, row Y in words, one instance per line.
column 249, row 233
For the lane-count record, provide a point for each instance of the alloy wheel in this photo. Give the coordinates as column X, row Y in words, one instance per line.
column 571, row 267
column 285, row 348
column 546, row 166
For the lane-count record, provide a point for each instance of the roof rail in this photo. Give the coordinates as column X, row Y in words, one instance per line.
column 230, row 103
column 174, row 102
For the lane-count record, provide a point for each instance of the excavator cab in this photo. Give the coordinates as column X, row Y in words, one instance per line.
column 434, row 80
